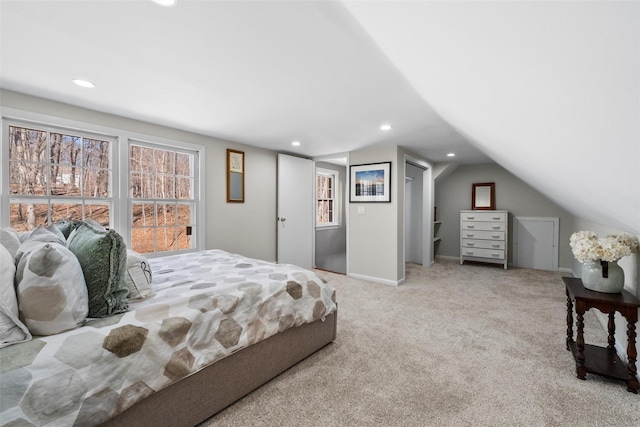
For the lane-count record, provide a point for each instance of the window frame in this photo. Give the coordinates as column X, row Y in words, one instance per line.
column 119, row 212
column 50, row 199
column 336, row 197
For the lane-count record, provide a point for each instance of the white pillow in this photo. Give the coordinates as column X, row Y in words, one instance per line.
column 10, row 239
column 50, row 286
column 138, row 275
column 12, row 330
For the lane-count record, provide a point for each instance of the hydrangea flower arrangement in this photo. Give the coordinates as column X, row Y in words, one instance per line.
column 587, row 246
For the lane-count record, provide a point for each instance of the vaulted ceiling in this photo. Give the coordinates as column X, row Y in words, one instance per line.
column 550, row 90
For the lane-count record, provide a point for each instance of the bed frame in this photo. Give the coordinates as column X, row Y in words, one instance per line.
column 195, row 398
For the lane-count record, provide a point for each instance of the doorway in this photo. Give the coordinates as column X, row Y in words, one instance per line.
column 418, row 212
column 331, row 240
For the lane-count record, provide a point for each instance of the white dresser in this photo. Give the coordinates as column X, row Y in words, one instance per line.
column 484, row 236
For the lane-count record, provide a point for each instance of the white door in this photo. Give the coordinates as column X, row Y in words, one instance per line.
column 295, row 216
column 535, row 243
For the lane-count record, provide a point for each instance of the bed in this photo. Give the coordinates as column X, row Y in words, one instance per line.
column 214, row 327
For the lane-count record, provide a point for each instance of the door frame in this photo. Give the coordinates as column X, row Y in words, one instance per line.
column 428, row 201
column 331, row 158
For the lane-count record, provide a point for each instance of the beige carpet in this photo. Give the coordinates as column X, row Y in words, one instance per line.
column 456, row 345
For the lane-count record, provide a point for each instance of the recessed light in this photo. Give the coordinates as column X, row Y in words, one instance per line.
column 451, row 155
column 166, row 3
column 296, row 143
column 83, row 83
column 385, row 127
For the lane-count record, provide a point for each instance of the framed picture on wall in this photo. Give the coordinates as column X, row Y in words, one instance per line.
column 235, row 176
column 483, row 196
column 370, row 183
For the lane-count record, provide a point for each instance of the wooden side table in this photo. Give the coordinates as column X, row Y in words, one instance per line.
column 595, row 359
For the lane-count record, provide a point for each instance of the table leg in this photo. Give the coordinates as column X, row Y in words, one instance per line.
column 611, row 326
column 632, row 381
column 569, row 320
column 581, row 369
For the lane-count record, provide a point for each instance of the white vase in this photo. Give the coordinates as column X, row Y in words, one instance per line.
column 603, row 276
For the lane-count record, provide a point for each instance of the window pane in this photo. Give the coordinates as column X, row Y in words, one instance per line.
column 141, row 159
column 143, row 215
column 27, row 216
column 165, row 215
column 99, row 213
column 166, row 239
column 165, row 187
column 65, row 150
column 67, row 181
column 96, row 183
column 72, row 212
column 164, row 161
column 183, row 188
column 142, row 239
column 27, row 144
column 184, row 240
column 141, row 185
column 27, row 178
column 183, row 164
column 96, row 153
column 184, row 215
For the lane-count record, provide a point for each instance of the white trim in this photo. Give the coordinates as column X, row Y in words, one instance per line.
column 377, row 279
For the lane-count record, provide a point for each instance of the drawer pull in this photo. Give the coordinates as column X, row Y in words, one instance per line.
column 469, row 252
column 496, row 227
column 495, row 246
column 495, row 236
column 470, row 217
column 496, row 217
column 471, row 226
column 469, row 234
column 470, row 243
column 496, row 255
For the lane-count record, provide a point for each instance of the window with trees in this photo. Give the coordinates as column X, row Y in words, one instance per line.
column 163, row 205
column 57, row 174
column 326, row 195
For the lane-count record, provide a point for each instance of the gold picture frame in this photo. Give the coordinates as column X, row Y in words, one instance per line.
column 235, row 176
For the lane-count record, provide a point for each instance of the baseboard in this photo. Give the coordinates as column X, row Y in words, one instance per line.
column 377, row 279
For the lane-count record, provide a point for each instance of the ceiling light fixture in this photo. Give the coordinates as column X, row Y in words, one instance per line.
column 451, row 155
column 296, row 143
column 166, row 3
column 385, row 127
column 83, row 83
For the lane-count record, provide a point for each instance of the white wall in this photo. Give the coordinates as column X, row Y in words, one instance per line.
column 248, row 228
column 373, row 236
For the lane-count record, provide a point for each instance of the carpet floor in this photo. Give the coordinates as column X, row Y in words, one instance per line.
column 455, row 345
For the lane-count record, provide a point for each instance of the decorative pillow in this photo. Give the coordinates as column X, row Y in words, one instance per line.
column 42, row 234
column 52, row 294
column 138, row 275
column 103, row 257
column 10, row 239
column 12, row 330
column 66, row 227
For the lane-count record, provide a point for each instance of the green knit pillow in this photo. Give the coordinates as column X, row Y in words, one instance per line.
column 103, row 257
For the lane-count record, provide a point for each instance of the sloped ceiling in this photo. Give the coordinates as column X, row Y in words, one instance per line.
column 550, row 90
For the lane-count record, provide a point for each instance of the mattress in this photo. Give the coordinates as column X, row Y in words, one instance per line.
column 204, row 306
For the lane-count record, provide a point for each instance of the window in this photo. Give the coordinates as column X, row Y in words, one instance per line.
column 57, row 174
column 149, row 192
column 163, row 206
column 327, row 197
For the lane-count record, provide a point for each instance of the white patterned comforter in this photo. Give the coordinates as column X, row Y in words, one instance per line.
column 204, row 306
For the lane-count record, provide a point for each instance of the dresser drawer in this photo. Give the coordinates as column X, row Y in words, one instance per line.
column 483, row 216
column 483, row 253
column 483, row 244
column 484, row 235
column 483, row 225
